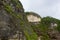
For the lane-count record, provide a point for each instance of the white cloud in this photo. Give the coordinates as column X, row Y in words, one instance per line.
column 25, row 4
column 43, row 7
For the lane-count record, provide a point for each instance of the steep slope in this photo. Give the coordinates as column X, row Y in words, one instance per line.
column 51, row 27
column 15, row 19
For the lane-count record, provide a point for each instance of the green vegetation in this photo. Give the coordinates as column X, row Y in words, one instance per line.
column 30, row 30
column 43, row 28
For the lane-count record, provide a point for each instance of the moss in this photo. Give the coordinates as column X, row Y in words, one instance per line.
column 18, row 3
column 26, row 30
column 10, row 11
column 45, row 37
column 32, row 36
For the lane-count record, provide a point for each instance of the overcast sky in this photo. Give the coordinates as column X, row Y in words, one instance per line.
column 43, row 7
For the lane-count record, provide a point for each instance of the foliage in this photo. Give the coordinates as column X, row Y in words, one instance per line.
column 28, row 31
column 31, row 31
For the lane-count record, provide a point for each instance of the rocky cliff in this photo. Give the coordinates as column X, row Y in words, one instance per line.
column 13, row 19
column 10, row 10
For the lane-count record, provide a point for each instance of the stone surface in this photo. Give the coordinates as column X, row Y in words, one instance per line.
column 7, row 20
column 33, row 17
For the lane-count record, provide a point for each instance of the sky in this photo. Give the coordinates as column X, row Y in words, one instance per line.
column 43, row 7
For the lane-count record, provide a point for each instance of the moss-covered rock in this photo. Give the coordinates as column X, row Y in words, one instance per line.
column 13, row 19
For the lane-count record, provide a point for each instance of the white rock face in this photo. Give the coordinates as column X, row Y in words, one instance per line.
column 55, row 25
column 39, row 38
column 32, row 18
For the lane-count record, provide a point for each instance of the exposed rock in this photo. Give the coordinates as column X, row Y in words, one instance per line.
column 13, row 19
column 34, row 20
column 8, row 20
column 33, row 17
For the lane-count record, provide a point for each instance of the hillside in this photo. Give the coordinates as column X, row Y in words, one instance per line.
column 15, row 24
column 12, row 19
